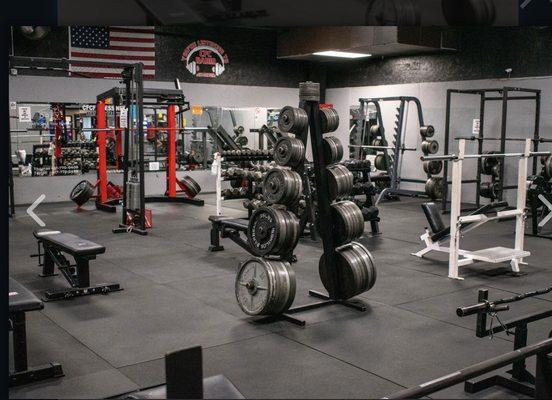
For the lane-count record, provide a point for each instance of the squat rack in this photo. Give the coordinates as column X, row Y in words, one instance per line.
column 504, row 95
column 394, row 161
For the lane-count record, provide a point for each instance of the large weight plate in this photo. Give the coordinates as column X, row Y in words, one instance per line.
column 427, row 131
column 192, row 188
column 272, row 231
column 490, row 164
column 329, row 120
column 292, row 119
column 348, row 222
column 490, row 190
column 380, row 162
column 435, row 187
column 433, row 167
column 82, row 192
column 356, row 270
column 265, row 287
column 340, row 181
column 289, row 151
column 282, row 186
column 430, row 146
column 333, row 149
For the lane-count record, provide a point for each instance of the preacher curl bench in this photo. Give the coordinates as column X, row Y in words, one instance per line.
column 51, row 248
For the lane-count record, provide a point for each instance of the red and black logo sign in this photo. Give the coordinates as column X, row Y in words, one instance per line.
column 205, row 59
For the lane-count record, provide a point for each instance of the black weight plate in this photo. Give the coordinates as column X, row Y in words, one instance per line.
column 380, row 162
column 82, row 192
column 433, row 167
column 263, row 231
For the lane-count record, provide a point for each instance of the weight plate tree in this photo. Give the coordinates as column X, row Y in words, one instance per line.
column 265, row 287
column 272, row 231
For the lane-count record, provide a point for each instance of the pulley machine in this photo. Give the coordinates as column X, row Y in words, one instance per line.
column 503, row 95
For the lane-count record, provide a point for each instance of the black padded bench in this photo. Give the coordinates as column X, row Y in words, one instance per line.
column 21, row 301
column 225, row 227
column 184, row 377
column 52, row 245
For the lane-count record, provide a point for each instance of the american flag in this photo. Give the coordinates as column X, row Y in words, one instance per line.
column 91, row 46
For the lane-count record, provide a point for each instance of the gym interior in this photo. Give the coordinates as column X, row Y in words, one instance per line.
column 258, row 212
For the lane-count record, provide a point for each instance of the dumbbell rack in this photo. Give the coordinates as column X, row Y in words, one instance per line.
column 312, row 108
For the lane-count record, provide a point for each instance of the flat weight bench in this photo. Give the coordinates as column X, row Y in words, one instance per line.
column 52, row 245
column 223, row 227
column 184, row 377
column 21, row 301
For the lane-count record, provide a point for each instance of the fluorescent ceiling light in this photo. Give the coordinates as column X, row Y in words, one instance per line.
column 341, row 54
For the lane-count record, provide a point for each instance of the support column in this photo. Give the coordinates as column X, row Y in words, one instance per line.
column 101, row 124
column 455, row 206
column 171, row 151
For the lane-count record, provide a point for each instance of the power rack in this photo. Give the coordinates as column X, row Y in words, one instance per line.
column 503, row 95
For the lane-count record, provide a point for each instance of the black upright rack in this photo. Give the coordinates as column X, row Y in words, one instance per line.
column 325, row 217
column 503, row 95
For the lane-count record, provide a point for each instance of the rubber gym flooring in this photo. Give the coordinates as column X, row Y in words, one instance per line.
column 177, row 294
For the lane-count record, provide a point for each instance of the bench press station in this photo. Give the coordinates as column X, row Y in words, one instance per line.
column 51, row 246
column 21, row 301
column 459, row 224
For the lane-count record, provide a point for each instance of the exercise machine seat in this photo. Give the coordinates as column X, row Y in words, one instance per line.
column 214, row 387
column 433, row 217
column 233, row 223
column 71, row 244
column 22, row 299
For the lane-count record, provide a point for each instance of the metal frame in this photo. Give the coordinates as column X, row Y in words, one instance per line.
column 504, row 95
column 522, row 381
column 458, row 257
column 543, row 383
column 77, row 275
column 394, row 162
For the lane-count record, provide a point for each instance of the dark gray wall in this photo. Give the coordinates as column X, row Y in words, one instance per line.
column 252, row 54
column 483, row 53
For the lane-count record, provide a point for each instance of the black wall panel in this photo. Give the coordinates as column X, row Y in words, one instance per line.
column 251, row 52
column 484, row 53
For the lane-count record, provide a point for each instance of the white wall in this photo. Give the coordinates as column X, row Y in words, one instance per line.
column 465, row 109
column 80, row 90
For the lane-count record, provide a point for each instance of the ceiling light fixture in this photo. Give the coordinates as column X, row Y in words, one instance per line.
column 341, row 54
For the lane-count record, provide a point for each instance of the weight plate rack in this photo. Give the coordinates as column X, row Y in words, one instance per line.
column 342, row 279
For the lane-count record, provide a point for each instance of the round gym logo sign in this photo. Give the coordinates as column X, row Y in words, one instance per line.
column 205, row 59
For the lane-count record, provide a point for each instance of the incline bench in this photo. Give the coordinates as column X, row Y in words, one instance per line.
column 51, row 246
column 21, row 300
column 435, row 239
